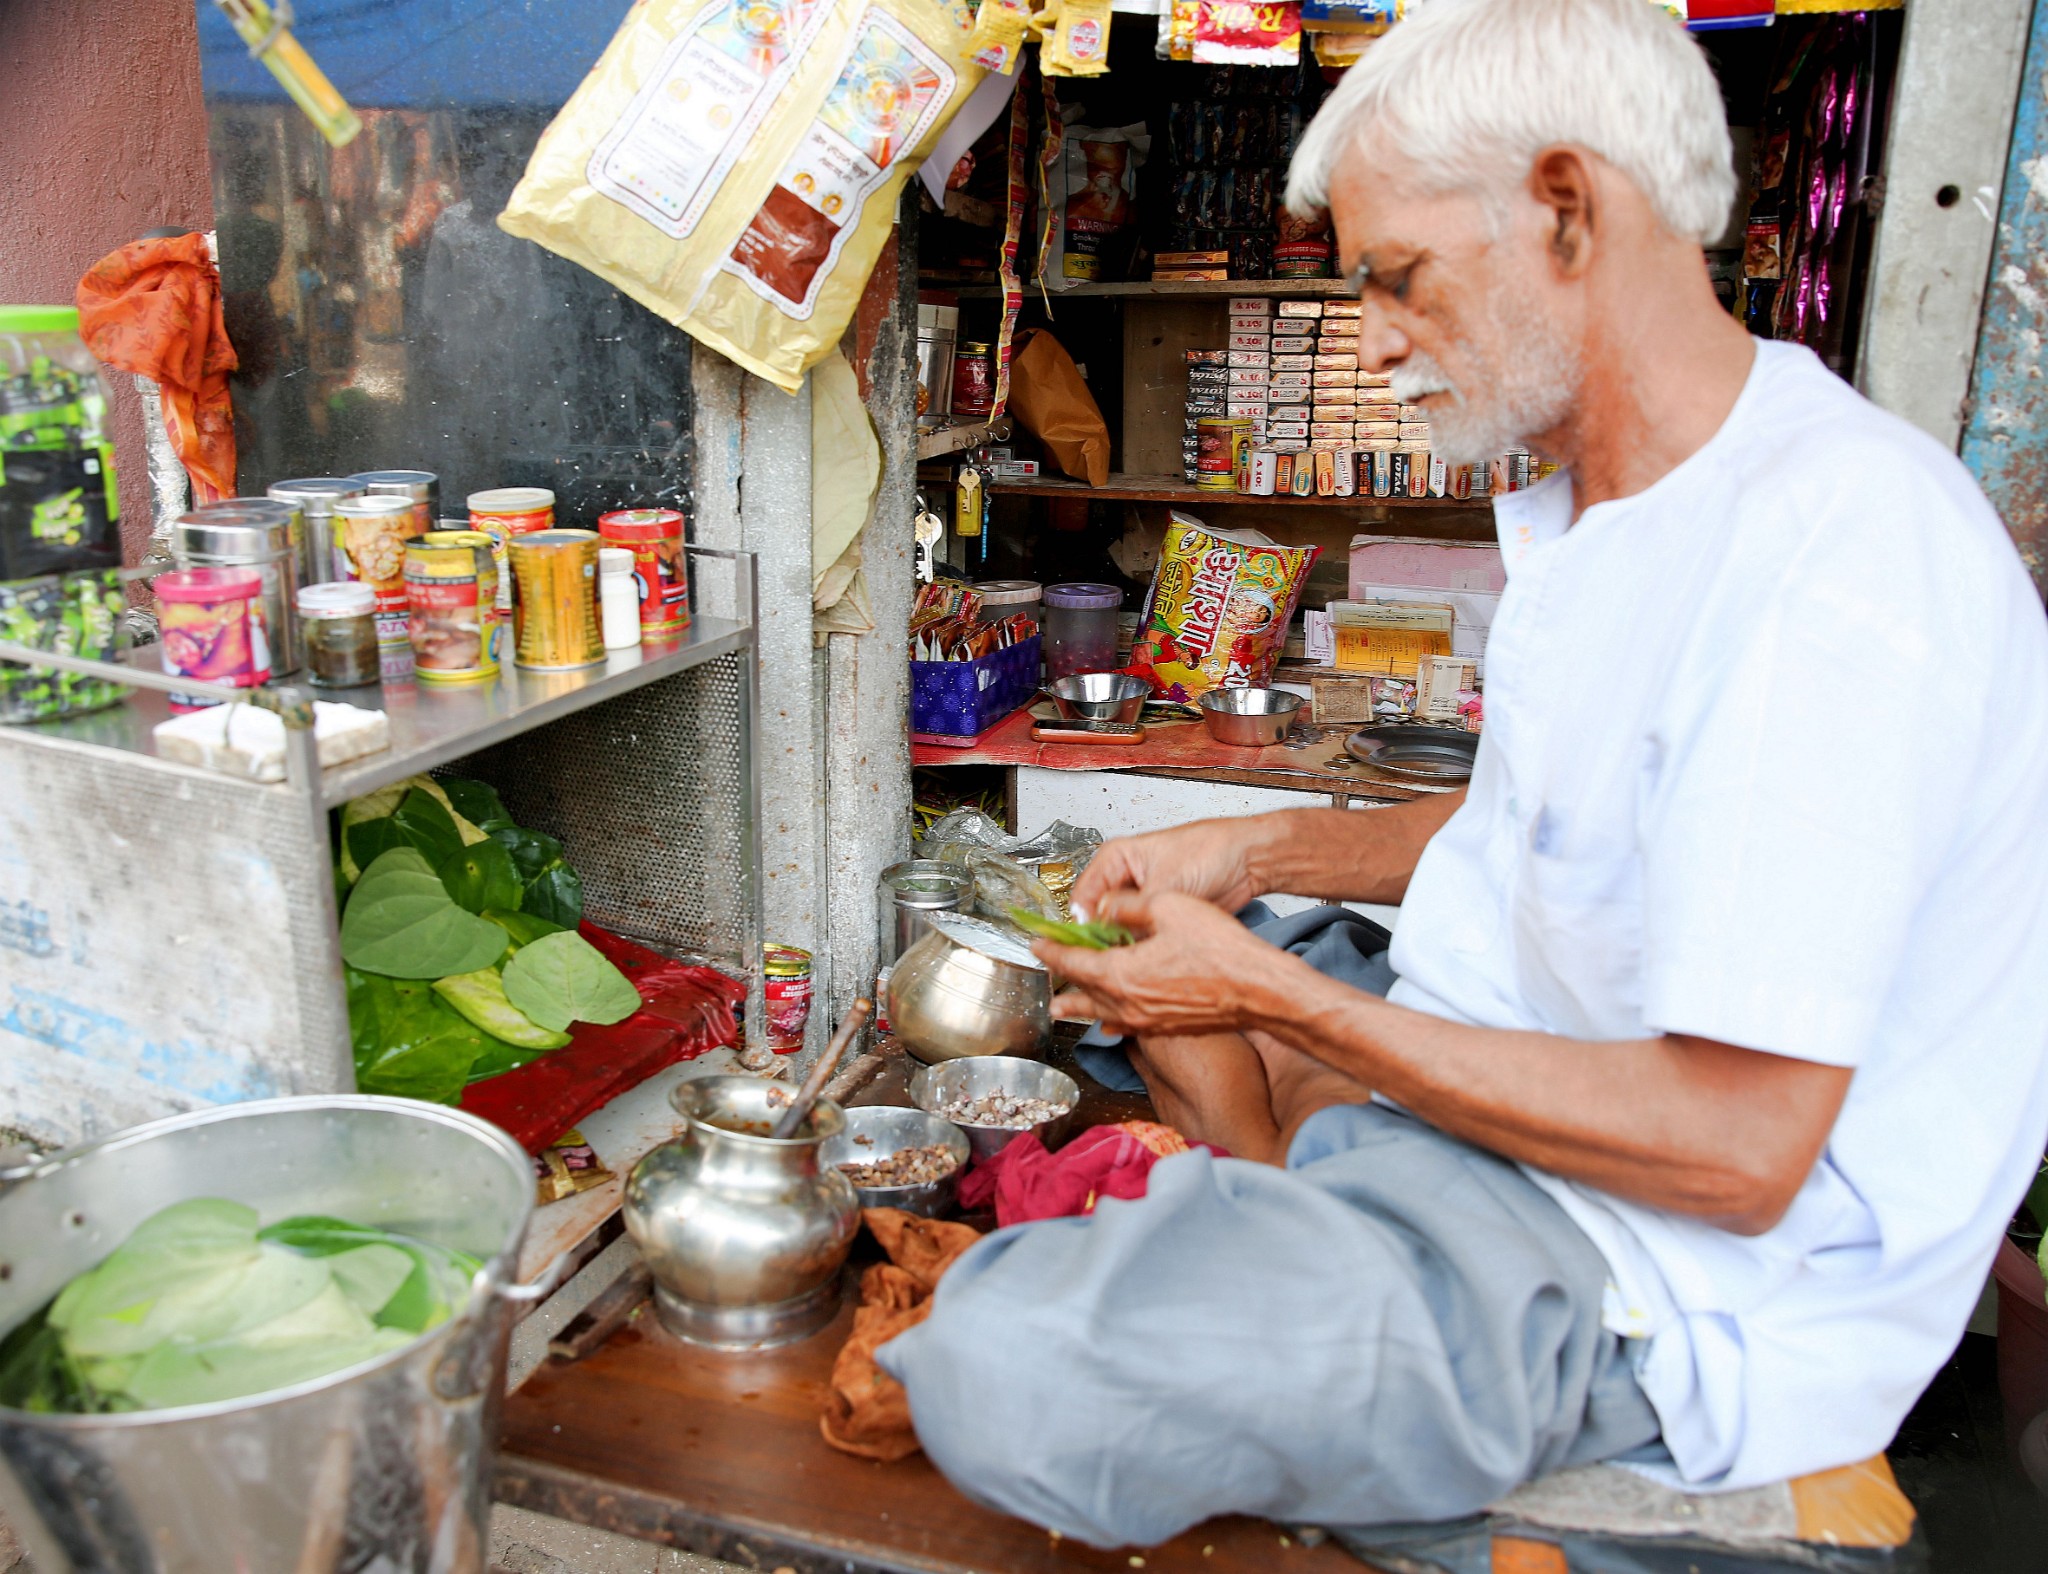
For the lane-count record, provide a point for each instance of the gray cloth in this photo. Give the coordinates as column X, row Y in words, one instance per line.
column 1335, row 941
column 1396, row 1327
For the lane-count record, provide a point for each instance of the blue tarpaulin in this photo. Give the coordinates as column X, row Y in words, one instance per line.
column 425, row 54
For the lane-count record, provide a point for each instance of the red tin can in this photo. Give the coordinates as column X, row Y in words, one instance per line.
column 655, row 538
column 786, row 991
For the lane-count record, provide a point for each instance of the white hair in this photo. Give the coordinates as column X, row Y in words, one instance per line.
column 1472, row 90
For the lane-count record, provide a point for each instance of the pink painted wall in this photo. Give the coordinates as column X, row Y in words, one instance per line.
column 102, row 136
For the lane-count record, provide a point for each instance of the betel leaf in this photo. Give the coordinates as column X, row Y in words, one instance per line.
column 1098, row 935
column 524, row 928
column 401, row 922
column 380, row 805
column 552, row 889
column 479, row 998
column 478, row 803
column 425, row 822
column 408, row 1041
column 482, row 876
column 500, row 1058
column 563, row 978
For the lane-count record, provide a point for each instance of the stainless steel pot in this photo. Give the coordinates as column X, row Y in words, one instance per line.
column 911, row 892
column 382, row 1466
column 969, row 988
column 743, row 1233
column 1250, row 717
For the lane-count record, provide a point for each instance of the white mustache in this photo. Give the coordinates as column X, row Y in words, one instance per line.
column 1412, row 382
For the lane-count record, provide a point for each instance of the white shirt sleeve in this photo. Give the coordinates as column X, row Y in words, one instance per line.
column 1799, row 800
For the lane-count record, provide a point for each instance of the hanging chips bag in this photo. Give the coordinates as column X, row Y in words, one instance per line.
column 997, row 40
column 1248, row 33
column 1078, row 43
column 734, row 164
column 1219, row 609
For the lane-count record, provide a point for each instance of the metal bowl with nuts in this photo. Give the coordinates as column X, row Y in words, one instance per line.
column 995, row 1099
column 899, row 1158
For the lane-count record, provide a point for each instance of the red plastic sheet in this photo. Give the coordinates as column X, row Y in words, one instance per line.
column 685, row 1010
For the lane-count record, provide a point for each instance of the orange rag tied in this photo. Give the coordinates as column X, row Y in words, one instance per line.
column 867, row 1411
column 153, row 308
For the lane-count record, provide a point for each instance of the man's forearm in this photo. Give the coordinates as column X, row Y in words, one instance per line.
column 1348, row 855
column 1721, row 1133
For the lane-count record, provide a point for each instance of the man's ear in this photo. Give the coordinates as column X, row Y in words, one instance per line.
column 1561, row 179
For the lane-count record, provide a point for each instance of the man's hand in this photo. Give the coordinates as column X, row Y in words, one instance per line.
column 1210, row 859
column 1193, row 970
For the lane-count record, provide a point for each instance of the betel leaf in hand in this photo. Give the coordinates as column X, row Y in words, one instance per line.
column 552, row 889
column 563, row 978
column 478, row 803
column 1099, row 935
column 402, row 922
column 482, row 876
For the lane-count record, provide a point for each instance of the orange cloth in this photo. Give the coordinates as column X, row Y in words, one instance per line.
column 866, row 1410
column 153, row 308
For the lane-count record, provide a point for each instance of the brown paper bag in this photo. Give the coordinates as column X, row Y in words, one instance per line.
column 1049, row 397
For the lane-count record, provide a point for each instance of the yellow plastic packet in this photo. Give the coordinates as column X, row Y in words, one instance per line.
column 733, row 165
column 997, row 42
column 1177, row 37
column 1079, row 45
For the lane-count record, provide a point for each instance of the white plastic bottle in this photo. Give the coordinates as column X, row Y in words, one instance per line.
column 618, row 598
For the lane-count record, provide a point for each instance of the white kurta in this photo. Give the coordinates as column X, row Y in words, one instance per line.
column 1766, row 762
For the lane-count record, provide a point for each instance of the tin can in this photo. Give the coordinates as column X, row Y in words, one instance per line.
column 451, row 583
column 655, row 538
column 253, row 533
column 504, row 512
column 557, row 574
column 1382, row 472
column 974, row 379
column 315, row 497
column 421, row 488
column 1265, row 469
column 1222, row 447
column 370, row 534
column 786, row 996
column 211, row 620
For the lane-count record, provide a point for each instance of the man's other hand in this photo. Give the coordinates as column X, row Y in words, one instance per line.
column 1210, row 859
column 1194, row 968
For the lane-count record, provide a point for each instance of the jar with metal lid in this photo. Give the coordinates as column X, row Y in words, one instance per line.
column 1080, row 628
column 314, row 497
column 911, row 891
column 1001, row 598
column 974, row 378
column 338, row 627
column 255, row 533
column 421, row 488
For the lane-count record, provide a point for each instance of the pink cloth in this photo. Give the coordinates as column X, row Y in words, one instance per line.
column 1025, row 1182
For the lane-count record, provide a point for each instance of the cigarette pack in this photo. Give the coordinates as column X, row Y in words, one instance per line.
column 1301, row 309
column 1250, row 306
column 1190, row 259
column 1376, row 445
column 1259, row 325
column 1254, row 376
column 1189, row 275
column 1249, row 343
column 1293, row 344
column 1414, row 412
column 1381, row 400
column 1345, row 466
column 1294, row 363
column 1335, row 379
column 1248, row 409
column 1298, row 396
column 1335, row 412
column 1333, row 443
column 1341, row 308
column 1205, row 357
column 1379, row 431
column 1341, row 328
column 1414, row 432
column 1304, row 476
column 1015, row 470
column 1325, row 362
column 1326, row 473
column 1332, row 431
column 1292, row 430
column 1375, row 380
column 1291, row 380
column 1439, row 477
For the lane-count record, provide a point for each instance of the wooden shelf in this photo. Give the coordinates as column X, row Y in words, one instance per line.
column 1172, row 489
column 1269, row 289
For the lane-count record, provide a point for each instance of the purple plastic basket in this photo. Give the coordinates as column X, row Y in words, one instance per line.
column 955, row 702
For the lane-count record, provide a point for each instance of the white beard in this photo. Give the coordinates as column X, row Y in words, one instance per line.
column 1529, row 387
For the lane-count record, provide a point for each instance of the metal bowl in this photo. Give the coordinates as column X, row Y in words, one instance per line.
column 889, row 1129
column 931, row 1086
column 1251, row 718
column 968, row 988
column 1099, row 696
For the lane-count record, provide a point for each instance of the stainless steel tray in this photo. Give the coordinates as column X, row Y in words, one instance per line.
column 1421, row 754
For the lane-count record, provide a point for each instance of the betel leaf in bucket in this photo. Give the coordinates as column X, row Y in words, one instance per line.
column 402, row 922
column 482, row 876
column 563, row 978
column 552, row 889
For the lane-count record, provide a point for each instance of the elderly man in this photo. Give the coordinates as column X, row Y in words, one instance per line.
column 1715, row 1064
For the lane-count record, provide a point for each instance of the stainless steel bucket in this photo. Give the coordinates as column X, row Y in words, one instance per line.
column 383, row 1468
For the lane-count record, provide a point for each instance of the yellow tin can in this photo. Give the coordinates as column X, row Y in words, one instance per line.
column 451, row 591
column 557, row 575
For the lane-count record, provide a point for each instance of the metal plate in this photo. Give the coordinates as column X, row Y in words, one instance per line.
column 1422, row 754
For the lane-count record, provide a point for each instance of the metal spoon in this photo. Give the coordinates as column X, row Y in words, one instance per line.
column 821, row 1073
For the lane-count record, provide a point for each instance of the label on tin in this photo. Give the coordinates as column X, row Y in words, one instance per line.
column 501, row 527
column 452, row 624
column 216, row 642
column 786, row 1003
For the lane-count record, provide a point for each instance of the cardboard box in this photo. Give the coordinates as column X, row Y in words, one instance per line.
column 1294, row 363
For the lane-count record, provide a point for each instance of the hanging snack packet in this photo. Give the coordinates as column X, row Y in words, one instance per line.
column 1219, row 609
column 1096, row 187
column 997, row 42
column 1176, row 40
column 733, row 165
column 1078, row 45
column 1264, row 33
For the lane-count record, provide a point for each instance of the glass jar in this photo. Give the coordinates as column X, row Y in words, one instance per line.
column 1080, row 628
column 59, row 513
column 338, row 622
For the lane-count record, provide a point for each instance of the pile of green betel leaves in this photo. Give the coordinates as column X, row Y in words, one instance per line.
column 458, row 929
column 200, row 1305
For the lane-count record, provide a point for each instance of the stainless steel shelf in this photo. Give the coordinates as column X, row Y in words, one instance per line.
column 434, row 724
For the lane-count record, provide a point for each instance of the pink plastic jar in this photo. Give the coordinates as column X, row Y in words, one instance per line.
column 212, row 625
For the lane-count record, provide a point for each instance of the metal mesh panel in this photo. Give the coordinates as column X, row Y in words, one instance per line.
column 651, row 793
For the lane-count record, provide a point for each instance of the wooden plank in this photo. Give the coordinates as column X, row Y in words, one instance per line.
column 1156, row 488
column 1157, row 335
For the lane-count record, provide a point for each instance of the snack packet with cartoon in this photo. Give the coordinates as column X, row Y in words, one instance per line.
column 1218, row 611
